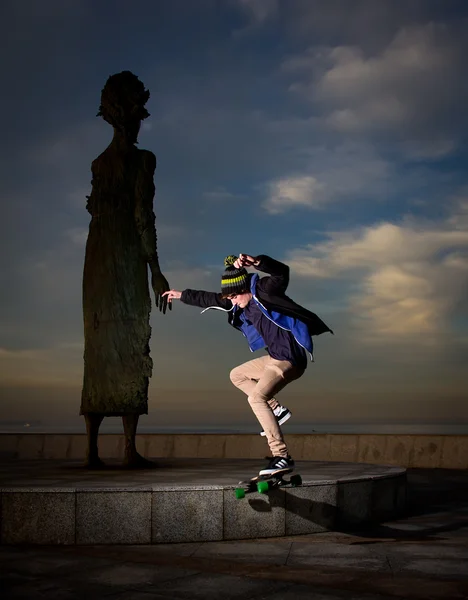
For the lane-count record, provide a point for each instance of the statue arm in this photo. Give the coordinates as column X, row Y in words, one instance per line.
column 144, row 213
column 146, row 224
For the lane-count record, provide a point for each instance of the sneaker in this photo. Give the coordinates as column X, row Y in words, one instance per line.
column 277, row 464
column 282, row 414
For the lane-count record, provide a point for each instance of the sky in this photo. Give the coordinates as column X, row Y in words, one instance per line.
column 329, row 135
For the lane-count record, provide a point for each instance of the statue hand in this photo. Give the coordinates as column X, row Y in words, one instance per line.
column 160, row 285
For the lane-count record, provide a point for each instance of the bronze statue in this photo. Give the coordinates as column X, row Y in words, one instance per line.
column 121, row 245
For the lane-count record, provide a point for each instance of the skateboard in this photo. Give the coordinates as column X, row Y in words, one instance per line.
column 264, row 483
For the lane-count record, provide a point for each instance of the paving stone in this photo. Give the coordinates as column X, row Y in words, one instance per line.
column 187, row 516
column 38, row 518
column 113, row 517
column 435, row 551
column 384, row 498
column 255, row 516
column 337, row 556
column 133, row 575
column 148, row 594
column 354, row 502
column 437, row 567
column 310, row 509
column 310, row 592
column 60, row 590
column 176, row 549
column 208, row 586
column 262, row 552
column 45, row 564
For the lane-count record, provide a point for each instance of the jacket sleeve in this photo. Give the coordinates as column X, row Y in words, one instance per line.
column 205, row 299
column 278, row 281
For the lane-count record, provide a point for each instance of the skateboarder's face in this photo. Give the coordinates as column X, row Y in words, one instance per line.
column 240, row 300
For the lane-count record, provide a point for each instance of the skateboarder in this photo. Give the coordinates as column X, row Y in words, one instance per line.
column 260, row 309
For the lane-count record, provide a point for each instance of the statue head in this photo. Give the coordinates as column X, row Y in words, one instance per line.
column 123, row 100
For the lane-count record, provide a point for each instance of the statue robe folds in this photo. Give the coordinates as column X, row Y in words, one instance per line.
column 116, row 298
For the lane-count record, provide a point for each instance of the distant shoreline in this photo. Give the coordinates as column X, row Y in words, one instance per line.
column 320, row 428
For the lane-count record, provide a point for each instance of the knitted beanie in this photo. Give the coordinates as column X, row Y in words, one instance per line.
column 233, row 281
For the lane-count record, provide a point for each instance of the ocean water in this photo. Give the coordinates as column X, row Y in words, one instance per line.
column 115, row 426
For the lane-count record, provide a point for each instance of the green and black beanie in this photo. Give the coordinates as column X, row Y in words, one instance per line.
column 233, row 281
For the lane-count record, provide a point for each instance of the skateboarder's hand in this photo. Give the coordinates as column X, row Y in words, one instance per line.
column 171, row 295
column 160, row 286
column 245, row 260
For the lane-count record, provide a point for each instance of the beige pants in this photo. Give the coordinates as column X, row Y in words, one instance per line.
column 261, row 379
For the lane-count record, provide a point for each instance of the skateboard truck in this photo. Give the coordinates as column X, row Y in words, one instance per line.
column 264, row 483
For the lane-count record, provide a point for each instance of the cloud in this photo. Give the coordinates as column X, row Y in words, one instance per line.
column 74, row 144
column 403, row 280
column 221, row 194
column 292, row 191
column 259, row 10
column 410, row 89
column 77, row 236
column 332, row 174
column 78, row 197
column 257, row 13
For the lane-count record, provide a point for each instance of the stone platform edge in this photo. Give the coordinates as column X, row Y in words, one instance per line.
column 409, row 451
column 151, row 515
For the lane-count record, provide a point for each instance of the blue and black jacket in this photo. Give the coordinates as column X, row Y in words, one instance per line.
column 269, row 295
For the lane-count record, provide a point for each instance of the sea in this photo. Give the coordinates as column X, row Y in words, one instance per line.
column 114, row 425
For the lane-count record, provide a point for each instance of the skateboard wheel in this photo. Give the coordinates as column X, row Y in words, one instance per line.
column 263, row 487
column 296, row 480
column 240, row 493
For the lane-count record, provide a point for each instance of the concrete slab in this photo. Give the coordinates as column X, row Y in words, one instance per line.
column 455, row 452
column 420, row 557
column 187, row 516
column 257, row 516
column 30, row 446
column 211, row 446
column 336, row 556
column 400, row 450
column 428, row 452
column 372, row 448
column 158, row 445
column 135, row 575
column 211, row 586
column 55, row 446
column 265, row 552
column 192, row 500
column 354, row 502
column 38, row 517
column 309, row 510
column 113, row 517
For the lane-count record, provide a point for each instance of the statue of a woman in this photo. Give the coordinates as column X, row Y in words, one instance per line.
column 121, row 245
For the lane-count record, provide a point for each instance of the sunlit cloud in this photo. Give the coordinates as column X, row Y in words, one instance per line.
column 334, row 174
column 390, row 90
column 403, row 279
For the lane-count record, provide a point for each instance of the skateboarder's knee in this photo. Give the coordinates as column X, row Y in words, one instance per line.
column 236, row 376
column 256, row 399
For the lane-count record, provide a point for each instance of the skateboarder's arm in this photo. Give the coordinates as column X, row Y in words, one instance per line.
column 205, row 299
column 279, row 275
column 199, row 298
